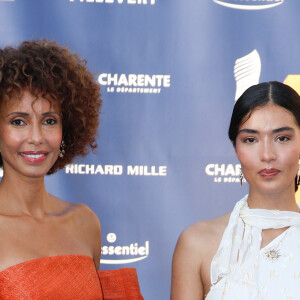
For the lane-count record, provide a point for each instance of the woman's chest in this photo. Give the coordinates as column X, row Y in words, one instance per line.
column 21, row 241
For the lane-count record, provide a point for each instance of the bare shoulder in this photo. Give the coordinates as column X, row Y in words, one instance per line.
column 194, row 251
column 85, row 216
column 204, row 233
column 79, row 213
column 210, row 228
column 85, row 220
column 84, row 223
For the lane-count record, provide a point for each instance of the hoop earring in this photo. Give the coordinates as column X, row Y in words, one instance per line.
column 241, row 176
column 62, row 149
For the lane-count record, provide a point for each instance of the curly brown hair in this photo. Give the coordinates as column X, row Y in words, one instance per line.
column 49, row 70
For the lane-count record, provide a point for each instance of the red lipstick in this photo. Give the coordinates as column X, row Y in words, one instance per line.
column 34, row 156
column 268, row 173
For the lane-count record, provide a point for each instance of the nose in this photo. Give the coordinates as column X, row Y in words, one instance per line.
column 36, row 136
column 268, row 151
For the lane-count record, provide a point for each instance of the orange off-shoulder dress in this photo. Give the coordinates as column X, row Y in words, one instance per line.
column 67, row 277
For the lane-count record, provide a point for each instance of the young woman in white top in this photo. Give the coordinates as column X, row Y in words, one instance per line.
column 254, row 251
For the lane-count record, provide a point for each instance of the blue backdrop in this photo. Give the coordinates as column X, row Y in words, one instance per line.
column 170, row 71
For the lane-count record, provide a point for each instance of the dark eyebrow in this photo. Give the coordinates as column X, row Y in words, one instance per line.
column 283, row 129
column 50, row 113
column 278, row 130
column 18, row 113
column 26, row 114
column 248, row 131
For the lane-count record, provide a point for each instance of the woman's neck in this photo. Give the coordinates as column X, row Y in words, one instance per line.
column 21, row 195
column 285, row 200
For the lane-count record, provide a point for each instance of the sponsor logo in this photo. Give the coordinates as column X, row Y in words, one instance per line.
column 130, row 170
column 249, row 4
column 134, row 83
column 224, row 173
column 247, row 71
column 293, row 80
column 130, row 253
column 130, row 2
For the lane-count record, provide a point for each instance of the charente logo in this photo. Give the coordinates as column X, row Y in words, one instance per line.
column 249, row 4
column 129, row 253
column 134, row 83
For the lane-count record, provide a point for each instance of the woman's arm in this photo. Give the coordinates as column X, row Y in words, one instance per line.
column 186, row 276
column 95, row 233
column 192, row 258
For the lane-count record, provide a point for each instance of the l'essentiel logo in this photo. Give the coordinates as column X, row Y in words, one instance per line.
column 293, row 80
column 249, row 4
column 122, row 254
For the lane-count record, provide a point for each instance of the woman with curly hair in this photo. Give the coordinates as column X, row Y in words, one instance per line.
column 49, row 114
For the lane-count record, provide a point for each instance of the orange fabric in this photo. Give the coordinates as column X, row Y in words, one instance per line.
column 120, row 284
column 64, row 277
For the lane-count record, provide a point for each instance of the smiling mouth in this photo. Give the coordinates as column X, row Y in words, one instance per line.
column 34, row 156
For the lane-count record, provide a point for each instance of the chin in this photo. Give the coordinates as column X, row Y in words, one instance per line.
column 35, row 173
column 274, row 190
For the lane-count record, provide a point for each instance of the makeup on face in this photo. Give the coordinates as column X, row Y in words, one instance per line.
column 30, row 135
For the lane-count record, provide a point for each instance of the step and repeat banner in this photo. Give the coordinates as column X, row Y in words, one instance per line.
column 169, row 71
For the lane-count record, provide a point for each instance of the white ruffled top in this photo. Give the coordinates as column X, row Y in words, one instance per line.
column 242, row 270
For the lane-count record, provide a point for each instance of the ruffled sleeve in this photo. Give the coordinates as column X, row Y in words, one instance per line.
column 121, row 284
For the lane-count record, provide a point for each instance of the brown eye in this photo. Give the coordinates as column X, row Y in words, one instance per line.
column 283, row 138
column 249, row 140
column 50, row 121
column 17, row 122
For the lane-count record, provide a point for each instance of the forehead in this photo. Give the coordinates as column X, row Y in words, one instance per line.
column 26, row 102
column 269, row 116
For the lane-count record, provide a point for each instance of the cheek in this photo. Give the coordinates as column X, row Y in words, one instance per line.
column 245, row 156
column 55, row 140
column 10, row 139
column 290, row 157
